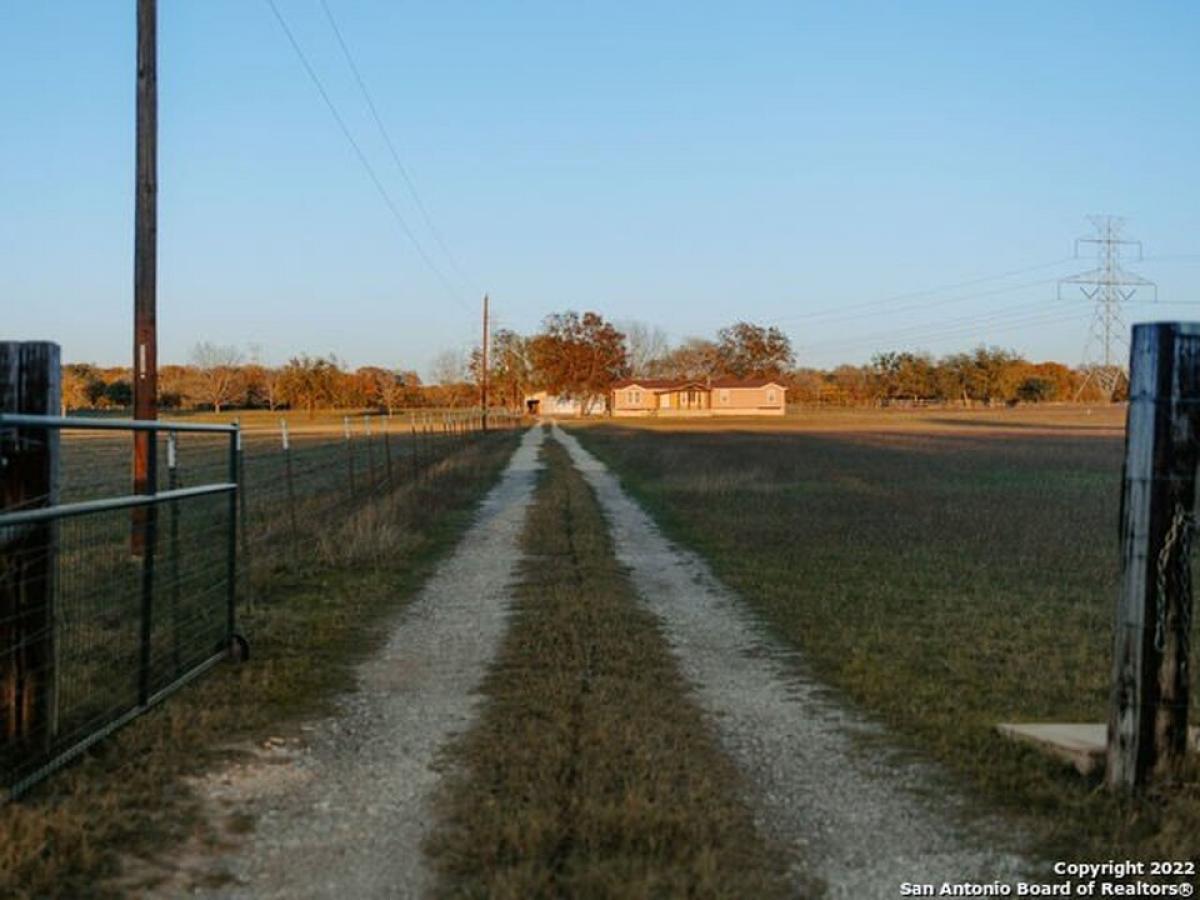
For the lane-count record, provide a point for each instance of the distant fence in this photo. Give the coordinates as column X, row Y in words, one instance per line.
column 110, row 601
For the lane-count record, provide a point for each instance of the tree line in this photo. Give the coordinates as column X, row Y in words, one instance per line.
column 217, row 378
column 580, row 355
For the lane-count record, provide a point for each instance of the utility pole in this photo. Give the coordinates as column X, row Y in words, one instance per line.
column 145, row 246
column 483, row 392
column 1108, row 285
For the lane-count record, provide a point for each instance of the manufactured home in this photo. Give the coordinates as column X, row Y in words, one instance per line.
column 698, row 397
column 543, row 403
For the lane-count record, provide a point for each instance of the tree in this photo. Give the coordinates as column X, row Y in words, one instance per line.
column 897, row 375
column 82, row 386
column 578, row 356
column 308, row 382
column 694, row 358
column 751, row 351
column 261, row 386
column 218, row 377
column 646, row 346
column 510, row 372
column 119, row 393
column 381, row 387
column 449, row 367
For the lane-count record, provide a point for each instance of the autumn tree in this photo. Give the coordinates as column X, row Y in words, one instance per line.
column 381, row 387
column 218, row 380
column 746, row 350
column 578, row 356
column 262, row 386
column 308, row 382
column 904, row 375
column 82, row 386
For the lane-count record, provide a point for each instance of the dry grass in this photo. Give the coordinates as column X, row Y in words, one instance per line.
column 310, row 625
column 945, row 578
column 590, row 773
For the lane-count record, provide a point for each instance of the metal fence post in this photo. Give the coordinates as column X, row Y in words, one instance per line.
column 370, row 453
column 291, row 489
column 387, row 447
column 149, row 548
column 235, row 442
column 413, row 446
column 243, row 529
column 172, row 484
column 349, row 453
column 1147, row 728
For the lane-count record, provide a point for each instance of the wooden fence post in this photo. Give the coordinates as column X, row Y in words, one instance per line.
column 1147, row 727
column 30, row 383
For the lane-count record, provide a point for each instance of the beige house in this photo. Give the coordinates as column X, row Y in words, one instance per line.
column 543, row 403
column 710, row 397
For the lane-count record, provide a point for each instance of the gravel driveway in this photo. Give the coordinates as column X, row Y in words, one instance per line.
column 861, row 822
column 345, row 816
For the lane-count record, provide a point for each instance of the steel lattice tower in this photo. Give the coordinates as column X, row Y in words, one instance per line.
column 1108, row 285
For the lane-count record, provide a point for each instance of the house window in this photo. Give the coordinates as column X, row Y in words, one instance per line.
column 725, row 397
column 770, row 396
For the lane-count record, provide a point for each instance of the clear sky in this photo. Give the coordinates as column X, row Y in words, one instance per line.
column 685, row 164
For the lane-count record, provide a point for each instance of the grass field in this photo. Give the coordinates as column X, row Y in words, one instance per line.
column 590, row 772
column 945, row 571
column 313, row 618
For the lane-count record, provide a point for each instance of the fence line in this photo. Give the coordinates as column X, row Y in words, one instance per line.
column 129, row 628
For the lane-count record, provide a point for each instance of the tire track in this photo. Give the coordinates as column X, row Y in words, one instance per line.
column 354, row 806
column 861, row 824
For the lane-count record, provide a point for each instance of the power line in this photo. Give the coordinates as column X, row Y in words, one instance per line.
column 1021, row 322
column 948, row 328
column 945, row 301
column 362, row 158
column 387, row 139
column 839, row 311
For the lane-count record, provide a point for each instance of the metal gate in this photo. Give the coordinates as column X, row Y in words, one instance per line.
column 108, row 603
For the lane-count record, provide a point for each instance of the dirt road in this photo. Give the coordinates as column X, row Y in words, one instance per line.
column 346, row 815
column 856, row 820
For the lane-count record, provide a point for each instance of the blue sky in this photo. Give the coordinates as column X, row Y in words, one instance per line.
column 684, row 164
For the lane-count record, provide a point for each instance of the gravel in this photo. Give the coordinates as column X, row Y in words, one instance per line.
column 349, row 817
column 862, row 822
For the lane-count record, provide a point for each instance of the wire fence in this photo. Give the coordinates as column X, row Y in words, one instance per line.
column 109, row 601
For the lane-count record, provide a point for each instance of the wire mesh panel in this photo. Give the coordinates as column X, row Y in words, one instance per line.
column 109, row 601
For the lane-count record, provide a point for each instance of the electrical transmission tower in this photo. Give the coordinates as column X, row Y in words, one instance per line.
column 1108, row 286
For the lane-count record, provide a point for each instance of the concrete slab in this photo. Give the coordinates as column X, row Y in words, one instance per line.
column 1081, row 744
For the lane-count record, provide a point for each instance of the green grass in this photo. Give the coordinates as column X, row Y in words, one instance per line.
column 945, row 579
column 590, row 773
column 311, row 623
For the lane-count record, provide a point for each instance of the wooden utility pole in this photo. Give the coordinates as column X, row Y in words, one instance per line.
column 30, row 383
column 484, row 377
column 1147, row 727
column 145, row 240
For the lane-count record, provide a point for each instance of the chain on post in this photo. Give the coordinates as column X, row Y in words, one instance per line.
column 1177, row 552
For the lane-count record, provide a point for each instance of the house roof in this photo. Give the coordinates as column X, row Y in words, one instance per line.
column 673, row 384
column 745, row 382
column 650, row 383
